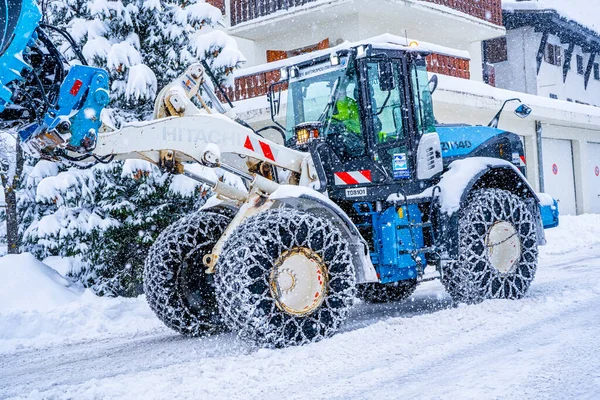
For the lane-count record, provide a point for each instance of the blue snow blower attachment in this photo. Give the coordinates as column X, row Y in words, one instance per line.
column 51, row 109
column 75, row 121
column 18, row 22
column 398, row 241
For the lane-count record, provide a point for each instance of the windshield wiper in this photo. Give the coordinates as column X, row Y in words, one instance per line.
column 330, row 101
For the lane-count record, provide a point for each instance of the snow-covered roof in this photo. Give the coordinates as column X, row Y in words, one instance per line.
column 584, row 12
column 382, row 41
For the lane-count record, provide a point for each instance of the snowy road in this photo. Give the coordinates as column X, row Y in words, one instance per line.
column 544, row 346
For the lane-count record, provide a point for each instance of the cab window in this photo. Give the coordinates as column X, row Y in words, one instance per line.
column 386, row 101
column 423, row 103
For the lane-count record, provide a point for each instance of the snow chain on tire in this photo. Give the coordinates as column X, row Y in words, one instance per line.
column 386, row 293
column 176, row 286
column 244, row 278
column 473, row 278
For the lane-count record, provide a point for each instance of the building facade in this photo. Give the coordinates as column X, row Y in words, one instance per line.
column 462, row 35
column 548, row 54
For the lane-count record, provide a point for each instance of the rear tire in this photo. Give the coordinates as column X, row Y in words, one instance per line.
column 388, row 292
column 270, row 268
column 177, row 288
column 497, row 250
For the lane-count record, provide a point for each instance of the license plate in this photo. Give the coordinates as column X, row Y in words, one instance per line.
column 356, row 192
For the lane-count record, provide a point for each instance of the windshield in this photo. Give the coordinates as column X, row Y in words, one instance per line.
column 314, row 98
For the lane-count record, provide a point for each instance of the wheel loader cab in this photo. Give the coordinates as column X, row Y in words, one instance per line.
column 362, row 118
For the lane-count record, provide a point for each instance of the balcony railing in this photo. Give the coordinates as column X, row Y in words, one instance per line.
column 448, row 65
column 257, row 84
column 488, row 10
column 248, row 10
column 251, row 86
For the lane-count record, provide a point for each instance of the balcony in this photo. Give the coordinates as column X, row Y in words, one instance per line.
column 291, row 24
column 247, row 10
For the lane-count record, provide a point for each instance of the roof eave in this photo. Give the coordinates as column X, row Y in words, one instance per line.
column 552, row 22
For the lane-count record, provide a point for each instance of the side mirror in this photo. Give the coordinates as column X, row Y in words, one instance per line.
column 523, row 111
column 386, row 76
column 433, row 84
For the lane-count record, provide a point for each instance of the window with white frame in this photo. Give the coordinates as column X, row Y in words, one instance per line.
column 553, row 54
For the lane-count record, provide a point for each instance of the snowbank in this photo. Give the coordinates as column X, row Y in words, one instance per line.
column 26, row 284
column 573, row 233
column 39, row 307
column 62, row 265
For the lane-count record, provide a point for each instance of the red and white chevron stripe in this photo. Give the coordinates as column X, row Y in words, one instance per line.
column 352, row 177
column 260, row 147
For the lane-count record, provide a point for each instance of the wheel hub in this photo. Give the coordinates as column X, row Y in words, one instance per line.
column 298, row 281
column 504, row 246
column 286, row 280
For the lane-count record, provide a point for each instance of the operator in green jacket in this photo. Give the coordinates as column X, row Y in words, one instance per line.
column 348, row 114
column 346, row 136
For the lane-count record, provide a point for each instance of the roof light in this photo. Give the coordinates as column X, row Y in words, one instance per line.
column 335, row 60
column 360, row 51
column 283, row 72
column 413, row 44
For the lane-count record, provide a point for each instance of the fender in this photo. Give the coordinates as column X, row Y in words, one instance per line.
column 308, row 200
column 468, row 175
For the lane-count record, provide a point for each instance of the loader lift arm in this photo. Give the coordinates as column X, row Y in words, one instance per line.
column 184, row 133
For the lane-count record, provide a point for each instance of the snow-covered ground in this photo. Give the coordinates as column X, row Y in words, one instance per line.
column 59, row 341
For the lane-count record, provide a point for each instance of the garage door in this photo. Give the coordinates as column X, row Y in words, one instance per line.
column 593, row 173
column 559, row 180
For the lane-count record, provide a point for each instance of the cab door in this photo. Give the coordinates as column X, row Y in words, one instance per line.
column 388, row 118
column 401, row 127
column 425, row 140
column 382, row 160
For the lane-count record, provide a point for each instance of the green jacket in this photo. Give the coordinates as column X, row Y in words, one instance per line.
column 347, row 113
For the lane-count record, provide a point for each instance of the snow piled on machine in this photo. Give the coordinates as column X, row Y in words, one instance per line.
column 40, row 307
column 455, row 181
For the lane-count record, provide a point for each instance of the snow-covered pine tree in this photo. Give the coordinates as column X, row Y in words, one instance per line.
column 30, row 211
column 108, row 216
column 144, row 44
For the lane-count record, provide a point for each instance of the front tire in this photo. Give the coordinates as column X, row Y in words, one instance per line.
column 177, row 288
column 270, row 268
column 497, row 255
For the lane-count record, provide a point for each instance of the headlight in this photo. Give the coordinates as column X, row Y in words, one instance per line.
column 307, row 132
